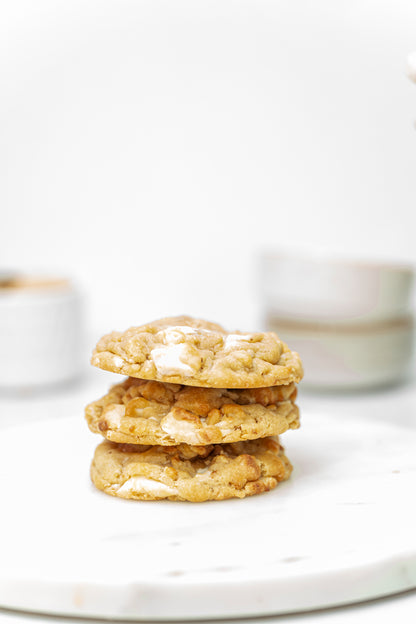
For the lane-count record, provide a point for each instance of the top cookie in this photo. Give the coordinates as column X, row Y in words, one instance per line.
column 194, row 352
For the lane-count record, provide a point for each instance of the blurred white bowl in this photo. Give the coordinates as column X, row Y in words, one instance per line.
column 318, row 288
column 349, row 357
column 351, row 322
column 41, row 328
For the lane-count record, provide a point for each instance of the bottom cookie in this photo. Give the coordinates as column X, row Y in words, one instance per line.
column 189, row 473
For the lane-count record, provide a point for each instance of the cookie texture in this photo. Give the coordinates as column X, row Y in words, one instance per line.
column 193, row 352
column 189, row 473
column 139, row 411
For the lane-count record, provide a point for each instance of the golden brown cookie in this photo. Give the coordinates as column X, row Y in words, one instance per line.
column 198, row 353
column 139, row 411
column 189, row 473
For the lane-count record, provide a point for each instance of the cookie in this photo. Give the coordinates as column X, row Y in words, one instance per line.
column 193, row 352
column 189, row 473
column 138, row 411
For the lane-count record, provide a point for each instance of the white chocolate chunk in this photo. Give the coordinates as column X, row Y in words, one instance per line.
column 169, row 360
column 176, row 334
column 179, row 429
column 207, row 471
column 235, row 340
column 225, row 430
column 114, row 414
column 142, row 485
column 118, row 361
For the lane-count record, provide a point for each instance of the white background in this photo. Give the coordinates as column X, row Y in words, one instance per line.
column 150, row 149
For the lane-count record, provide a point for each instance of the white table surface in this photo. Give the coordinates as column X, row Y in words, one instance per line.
column 391, row 405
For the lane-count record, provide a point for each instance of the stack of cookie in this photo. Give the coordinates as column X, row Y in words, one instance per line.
column 198, row 416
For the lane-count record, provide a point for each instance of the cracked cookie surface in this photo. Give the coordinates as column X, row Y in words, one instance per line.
column 139, row 411
column 189, row 473
column 193, row 352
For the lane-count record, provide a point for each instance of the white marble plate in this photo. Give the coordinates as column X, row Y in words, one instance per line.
column 341, row 530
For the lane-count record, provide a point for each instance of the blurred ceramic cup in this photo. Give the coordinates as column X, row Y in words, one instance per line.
column 41, row 329
column 352, row 322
